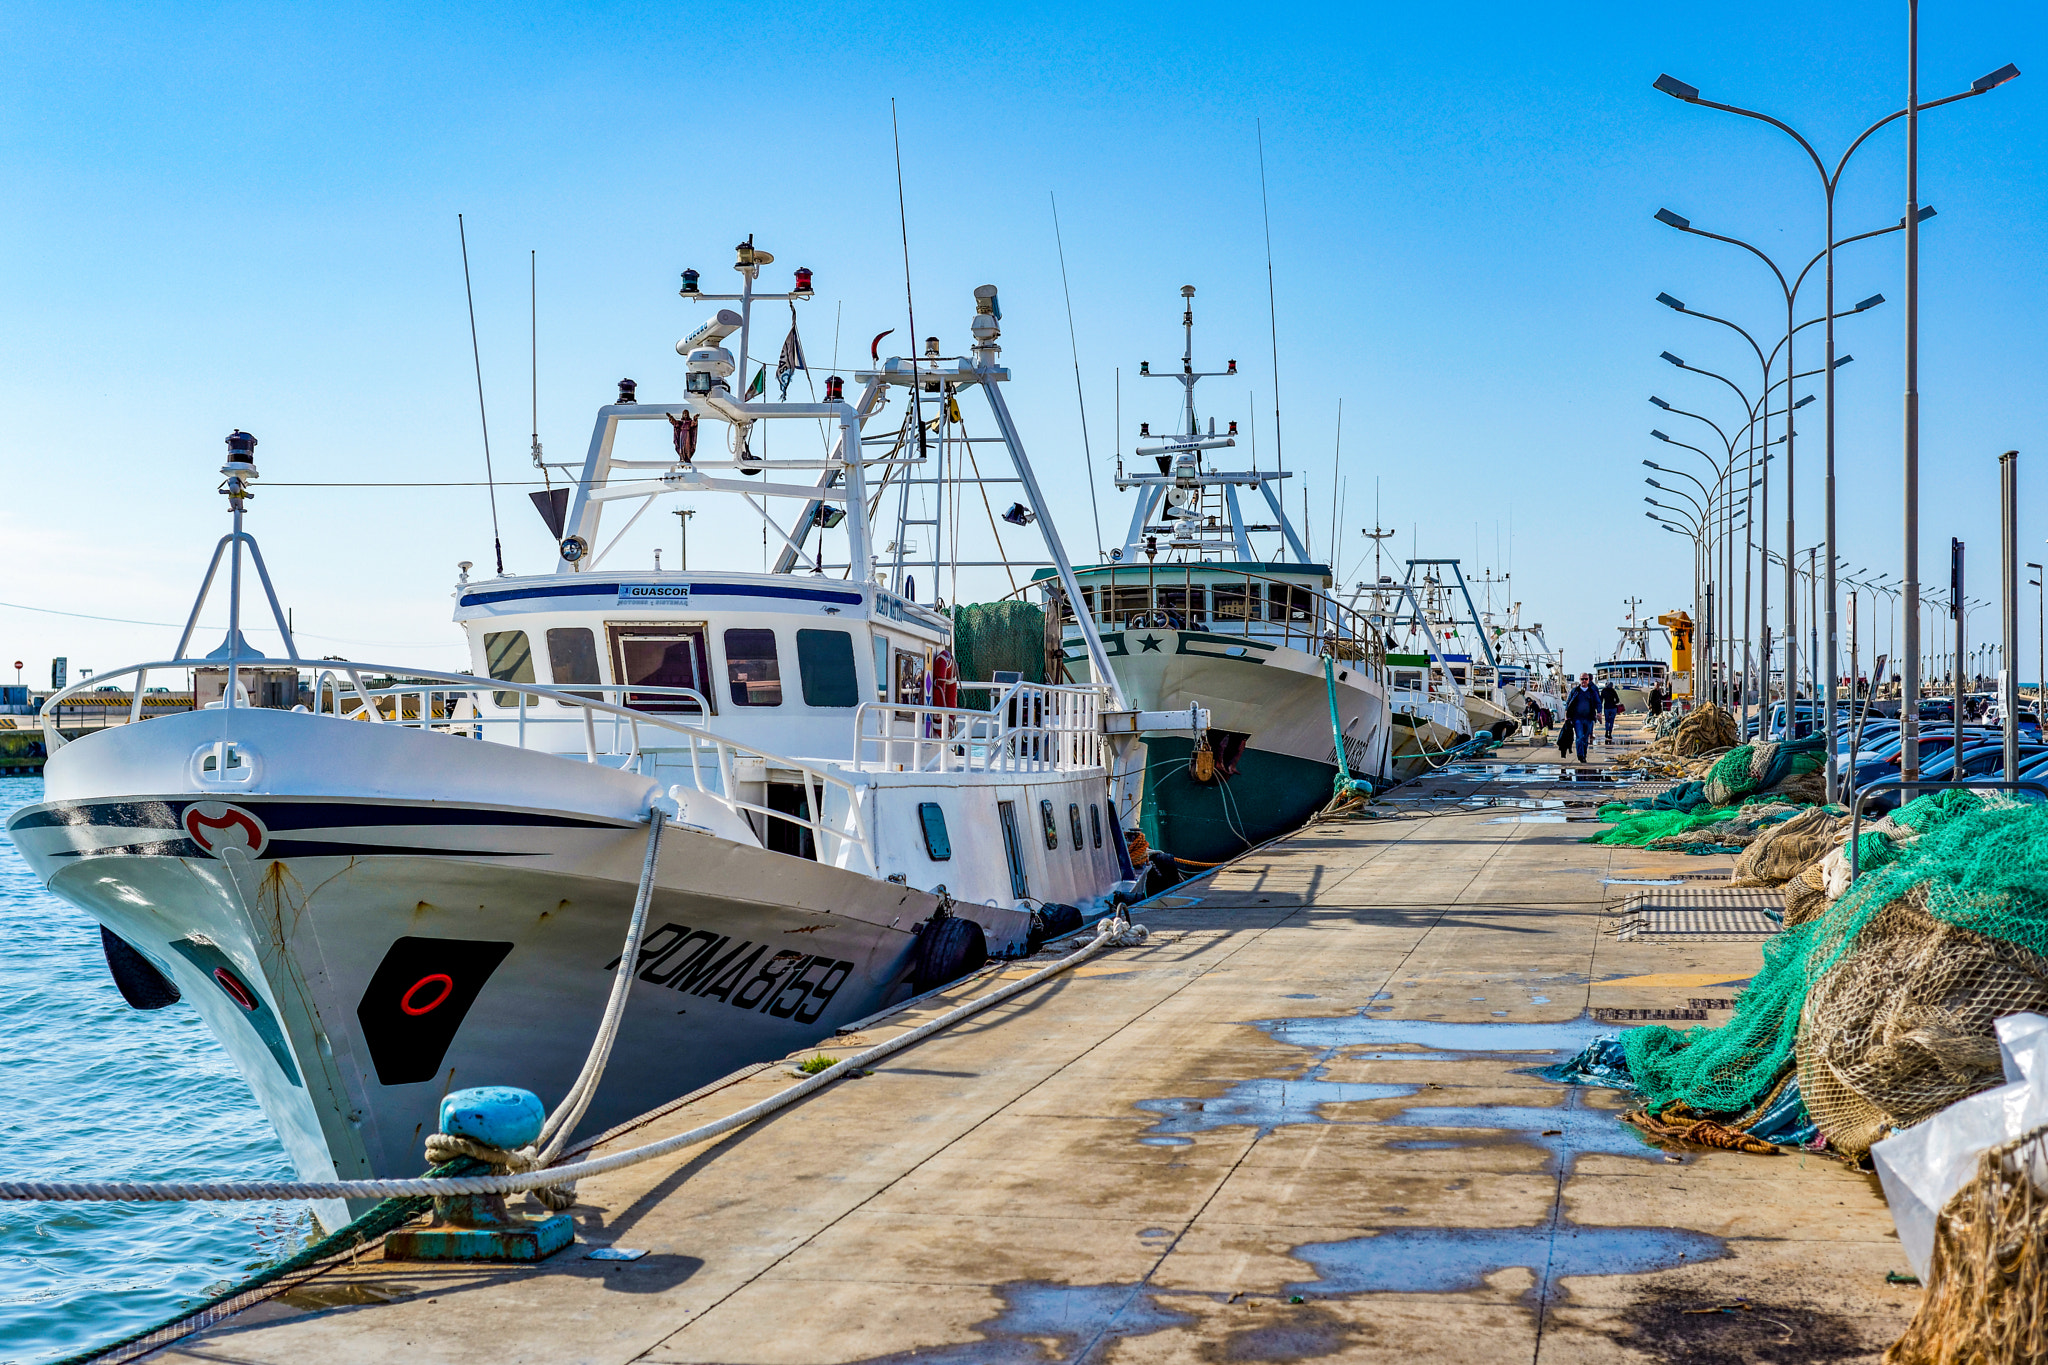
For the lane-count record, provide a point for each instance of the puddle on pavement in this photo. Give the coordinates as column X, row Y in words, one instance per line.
column 1547, row 818
column 1536, row 772
column 1518, row 802
column 1264, row 1104
column 1053, row 1321
column 1452, row 1260
column 1567, row 1133
column 1642, row 881
column 1433, row 1040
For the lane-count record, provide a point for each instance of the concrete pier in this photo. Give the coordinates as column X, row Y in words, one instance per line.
column 1298, row 1124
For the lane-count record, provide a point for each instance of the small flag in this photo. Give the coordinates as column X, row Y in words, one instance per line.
column 760, row 385
column 792, row 358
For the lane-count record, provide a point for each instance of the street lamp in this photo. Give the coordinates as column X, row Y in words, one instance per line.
column 2041, row 638
column 1677, row 89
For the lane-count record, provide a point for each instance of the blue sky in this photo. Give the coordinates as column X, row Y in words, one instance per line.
column 228, row 215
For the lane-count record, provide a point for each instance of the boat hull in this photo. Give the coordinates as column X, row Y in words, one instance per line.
column 1269, row 716
column 360, row 955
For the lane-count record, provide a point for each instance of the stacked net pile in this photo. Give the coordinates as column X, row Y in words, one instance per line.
column 1987, row 1285
column 1792, row 769
column 1781, row 852
column 1708, row 729
column 1885, row 999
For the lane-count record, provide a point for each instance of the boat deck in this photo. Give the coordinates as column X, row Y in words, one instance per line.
column 1297, row 1124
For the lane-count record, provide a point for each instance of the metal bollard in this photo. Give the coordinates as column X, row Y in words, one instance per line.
column 478, row 1227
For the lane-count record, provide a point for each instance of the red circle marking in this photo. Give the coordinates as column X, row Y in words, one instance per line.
column 442, row 979
column 237, row 992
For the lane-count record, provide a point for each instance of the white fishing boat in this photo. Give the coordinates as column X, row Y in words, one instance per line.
column 1632, row 671
column 1440, row 661
column 414, row 881
column 1195, row 611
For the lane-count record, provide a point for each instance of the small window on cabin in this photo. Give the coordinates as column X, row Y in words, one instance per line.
column 824, row 663
column 1184, row 608
column 1074, row 820
column 932, row 816
column 572, row 658
column 1129, row 606
column 1095, row 823
column 508, row 658
column 1051, row 823
column 1300, row 603
column 1237, row 601
column 909, row 678
column 881, row 642
column 752, row 669
column 666, row 657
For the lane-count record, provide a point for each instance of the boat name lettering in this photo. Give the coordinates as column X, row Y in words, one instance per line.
column 788, row 984
column 634, row 593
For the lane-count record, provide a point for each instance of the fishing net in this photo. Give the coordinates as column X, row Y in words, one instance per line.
column 1768, row 766
column 1902, row 1027
column 1893, row 1035
column 1779, row 853
column 990, row 637
column 1680, row 738
column 1987, row 1285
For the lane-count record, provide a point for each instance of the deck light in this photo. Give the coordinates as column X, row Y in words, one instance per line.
column 697, row 381
column 835, row 389
column 931, row 348
column 1670, row 302
column 1670, row 219
column 241, row 447
column 1144, row 367
column 1020, row 515
column 1679, row 90
column 574, row 548
column 828, row 516
column 690, row 278
column 803, row 282
column 1671, row 359
column 626, row 390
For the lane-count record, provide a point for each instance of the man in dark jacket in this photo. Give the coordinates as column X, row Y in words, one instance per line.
column 1610, row 703
column 1581, row 711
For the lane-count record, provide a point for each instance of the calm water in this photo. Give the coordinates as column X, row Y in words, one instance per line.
column 91, row 1089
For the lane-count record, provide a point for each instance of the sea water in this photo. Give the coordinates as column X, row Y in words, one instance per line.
column 93, row 1090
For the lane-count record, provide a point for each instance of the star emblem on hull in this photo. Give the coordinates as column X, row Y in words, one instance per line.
column 1151, row 643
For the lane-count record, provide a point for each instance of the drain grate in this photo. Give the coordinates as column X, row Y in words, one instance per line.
column 1702, row 914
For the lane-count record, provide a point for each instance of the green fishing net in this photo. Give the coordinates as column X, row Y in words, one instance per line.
column 1971, row 870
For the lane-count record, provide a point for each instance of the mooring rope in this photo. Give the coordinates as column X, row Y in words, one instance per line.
column 1109, row 933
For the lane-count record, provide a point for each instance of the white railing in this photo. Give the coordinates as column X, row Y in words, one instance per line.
column 1029, row 728
column 447, row 703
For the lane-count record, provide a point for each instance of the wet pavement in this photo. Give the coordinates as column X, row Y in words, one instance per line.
column 1301, row 1123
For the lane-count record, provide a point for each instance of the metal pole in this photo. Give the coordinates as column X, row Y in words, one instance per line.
column 1960, row 611
column 1833, row 770
column 1791, row 588
column 2009, row 607
column 1909, row 697
column 2040, row 586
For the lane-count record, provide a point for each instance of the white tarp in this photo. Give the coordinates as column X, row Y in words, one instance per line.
column 1922, row 1167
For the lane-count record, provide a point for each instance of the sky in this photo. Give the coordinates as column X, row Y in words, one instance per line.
column 227, row 215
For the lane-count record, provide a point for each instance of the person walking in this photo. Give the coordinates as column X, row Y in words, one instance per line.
column 1610, row 703
column 1581, row 710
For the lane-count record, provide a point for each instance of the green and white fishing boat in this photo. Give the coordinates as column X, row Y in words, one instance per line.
column 1192, row 615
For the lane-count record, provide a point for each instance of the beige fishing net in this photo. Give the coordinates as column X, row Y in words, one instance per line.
column 1901, row 1027
column 1780, row 852
column 1987, row 1285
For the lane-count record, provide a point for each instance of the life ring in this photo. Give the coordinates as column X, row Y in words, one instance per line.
column 945, row 680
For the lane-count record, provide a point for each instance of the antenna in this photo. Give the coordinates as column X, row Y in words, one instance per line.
column 533, row 322
column 1336, row 463
column 1118, row 417
column 490, row 480
column 1087, row 454
column 909, row 305
column 1272, row 315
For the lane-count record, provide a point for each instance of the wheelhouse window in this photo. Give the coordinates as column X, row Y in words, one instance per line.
column 1238, row 601
column 661, row 656
column 824, row 664
column 1184, row 608
column 508, row 658
column 572, row 658
column 1292, row 603
column 752, row 669
column 1128, row 606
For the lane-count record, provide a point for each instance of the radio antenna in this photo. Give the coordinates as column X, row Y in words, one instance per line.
column 909, row 304
column 476, row 355
column 1272, row 313
column 1087, row 454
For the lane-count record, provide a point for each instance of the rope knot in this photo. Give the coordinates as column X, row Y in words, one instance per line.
column 1120, row 931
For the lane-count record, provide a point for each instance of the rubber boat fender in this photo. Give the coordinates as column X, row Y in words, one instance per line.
column 948, row 948
column 1049, row 921
column 141, row 982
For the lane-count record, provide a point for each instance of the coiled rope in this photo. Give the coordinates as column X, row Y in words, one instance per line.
column 1109, row 933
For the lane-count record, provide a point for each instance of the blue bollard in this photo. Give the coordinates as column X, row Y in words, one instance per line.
column 478, row 1227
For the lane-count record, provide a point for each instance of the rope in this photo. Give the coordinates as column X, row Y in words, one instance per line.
column 1109, row 933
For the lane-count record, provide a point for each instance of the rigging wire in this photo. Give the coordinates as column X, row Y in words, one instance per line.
column 476, row 355
column 533, row 323
column 1087, row 454
column 909, row 304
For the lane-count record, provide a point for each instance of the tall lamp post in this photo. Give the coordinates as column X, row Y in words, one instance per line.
column 2040, row 638
column 1670, row 85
